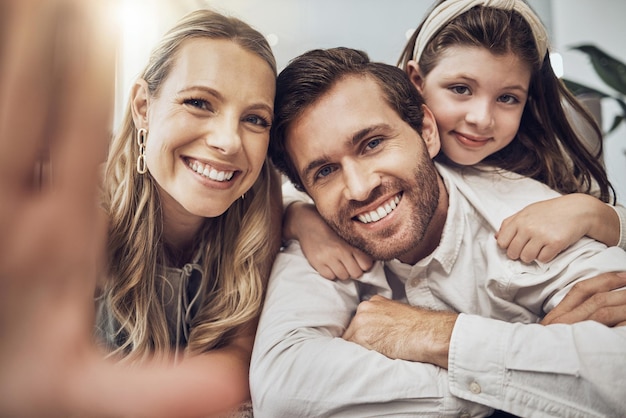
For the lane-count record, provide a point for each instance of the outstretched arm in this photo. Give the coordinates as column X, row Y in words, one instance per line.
column 329, row 254
column 542, row 230
column 56, row 96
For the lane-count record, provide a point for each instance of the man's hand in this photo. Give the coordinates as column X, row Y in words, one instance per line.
column 401, row 331
column 595, row 299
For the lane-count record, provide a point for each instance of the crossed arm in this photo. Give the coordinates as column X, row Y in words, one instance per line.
column 302, row 364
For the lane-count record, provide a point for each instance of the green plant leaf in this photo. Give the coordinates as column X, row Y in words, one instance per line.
column 616, row 123
column 578, row 89
column 621, row 104
column 609, row 69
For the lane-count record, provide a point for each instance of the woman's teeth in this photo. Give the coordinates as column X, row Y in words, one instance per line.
column 209, row 172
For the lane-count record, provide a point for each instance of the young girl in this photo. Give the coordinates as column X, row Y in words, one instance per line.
column 193, row 207
column 484, row 70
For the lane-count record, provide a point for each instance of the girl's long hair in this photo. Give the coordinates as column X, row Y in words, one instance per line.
column 236, row 250
column 547, row 146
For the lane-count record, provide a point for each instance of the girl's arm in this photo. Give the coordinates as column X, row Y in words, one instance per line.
column 327, row 253
column 542, row 230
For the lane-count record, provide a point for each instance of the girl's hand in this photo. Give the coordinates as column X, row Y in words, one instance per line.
column 542, row 230
column 328, row 253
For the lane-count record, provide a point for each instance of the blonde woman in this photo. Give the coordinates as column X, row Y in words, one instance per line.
column 206, row 99
column 193, row 210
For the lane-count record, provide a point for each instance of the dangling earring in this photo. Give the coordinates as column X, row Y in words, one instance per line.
column 142, row 133
column 243, row 196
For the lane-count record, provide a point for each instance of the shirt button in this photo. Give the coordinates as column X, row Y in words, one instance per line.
column 474, row 388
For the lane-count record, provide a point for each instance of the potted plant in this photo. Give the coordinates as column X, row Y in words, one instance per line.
column 612, row 72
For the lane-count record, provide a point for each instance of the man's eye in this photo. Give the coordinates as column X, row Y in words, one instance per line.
column 373, row 143
column 324, row 172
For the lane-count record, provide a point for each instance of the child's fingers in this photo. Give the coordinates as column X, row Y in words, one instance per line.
column 505, row 235
column 364, row 261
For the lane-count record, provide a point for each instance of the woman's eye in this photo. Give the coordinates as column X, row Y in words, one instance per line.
column 198, row 103
column 460, row 89
column 257, row 120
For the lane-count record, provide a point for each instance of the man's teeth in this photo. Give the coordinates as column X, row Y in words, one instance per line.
column 381, row 212
column 210, row 172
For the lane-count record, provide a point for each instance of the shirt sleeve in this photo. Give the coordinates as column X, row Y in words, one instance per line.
column 556, row 370
column 621, row 213
column 302, row 367
column 535, row 370
column 291, row 194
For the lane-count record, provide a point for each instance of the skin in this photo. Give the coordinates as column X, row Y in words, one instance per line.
column 355, row 155
column 478, row 99
column 50, row 365
column 344, row 173
column 212, row 113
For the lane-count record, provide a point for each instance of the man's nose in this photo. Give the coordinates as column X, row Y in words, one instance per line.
column 359, row 180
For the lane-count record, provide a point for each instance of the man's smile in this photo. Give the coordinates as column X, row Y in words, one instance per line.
column 380, row 212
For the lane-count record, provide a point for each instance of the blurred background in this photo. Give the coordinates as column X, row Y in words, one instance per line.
column 381, row 28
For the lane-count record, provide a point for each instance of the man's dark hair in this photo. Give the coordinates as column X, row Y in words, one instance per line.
column 308, row 77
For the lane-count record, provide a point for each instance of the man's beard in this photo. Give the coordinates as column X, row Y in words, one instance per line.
column 422, row 193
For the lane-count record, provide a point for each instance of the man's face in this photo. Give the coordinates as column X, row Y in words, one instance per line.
column 369, row 173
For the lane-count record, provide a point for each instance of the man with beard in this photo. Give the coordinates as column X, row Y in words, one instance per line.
column 447, row 325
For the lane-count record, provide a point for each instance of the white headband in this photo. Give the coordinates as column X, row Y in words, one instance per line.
column 451, row 9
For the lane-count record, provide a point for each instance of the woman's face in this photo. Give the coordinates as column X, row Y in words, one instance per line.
column 208, row 127
column 477, row 98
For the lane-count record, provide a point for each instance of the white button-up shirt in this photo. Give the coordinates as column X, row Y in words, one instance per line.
column 499, row 357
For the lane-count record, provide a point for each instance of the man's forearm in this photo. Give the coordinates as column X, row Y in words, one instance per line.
column 536, row 370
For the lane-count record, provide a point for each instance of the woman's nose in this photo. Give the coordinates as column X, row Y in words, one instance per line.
column 224, row 135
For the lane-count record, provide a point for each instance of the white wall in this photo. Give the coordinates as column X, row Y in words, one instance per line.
column 379, row 27
column 603, row 23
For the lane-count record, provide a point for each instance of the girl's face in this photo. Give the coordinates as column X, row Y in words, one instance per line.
column 208, row 127
column 477, row 99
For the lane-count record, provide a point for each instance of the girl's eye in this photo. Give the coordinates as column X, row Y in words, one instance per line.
column 460, row 89
column 508, row 99
column 198, row 104
column 257, row 120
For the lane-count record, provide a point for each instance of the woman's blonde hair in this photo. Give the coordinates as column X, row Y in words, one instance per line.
column 236, row 249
